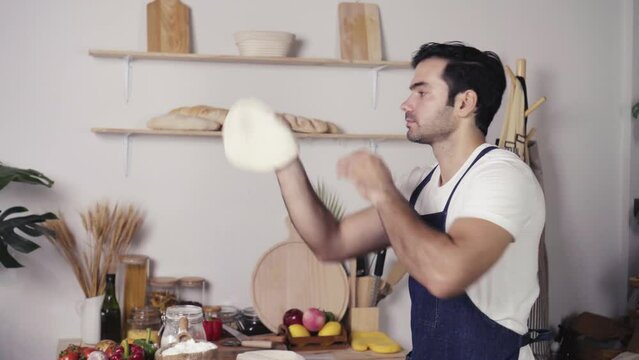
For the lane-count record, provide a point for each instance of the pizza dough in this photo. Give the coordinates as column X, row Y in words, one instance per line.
column 270, row 355
column 255, row 139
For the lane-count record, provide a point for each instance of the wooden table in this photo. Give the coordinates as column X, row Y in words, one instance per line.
column 230, row 352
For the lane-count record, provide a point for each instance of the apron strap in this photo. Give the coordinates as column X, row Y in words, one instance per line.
column 481, row 154
column 420, row 187
column 536, row 335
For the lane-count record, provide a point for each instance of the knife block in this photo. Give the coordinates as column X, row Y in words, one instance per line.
column 367, row 289
column 364, row 319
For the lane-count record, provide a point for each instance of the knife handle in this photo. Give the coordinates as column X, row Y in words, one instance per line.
column 379, row 263
column 361, row 266
column 263, row 344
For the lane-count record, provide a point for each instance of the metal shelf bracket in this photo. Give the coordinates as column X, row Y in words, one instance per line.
column 127, row 153
column 127, row 77
column 374, row 74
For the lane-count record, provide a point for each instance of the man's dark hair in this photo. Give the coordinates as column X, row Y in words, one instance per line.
column 469, row 69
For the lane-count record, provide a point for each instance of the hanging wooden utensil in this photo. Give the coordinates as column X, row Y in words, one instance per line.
column 360, row 31
column 168, row 26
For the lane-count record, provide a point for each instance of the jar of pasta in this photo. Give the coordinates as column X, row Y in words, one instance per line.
column 144, row 320
column 136, row 269
column 163, row 292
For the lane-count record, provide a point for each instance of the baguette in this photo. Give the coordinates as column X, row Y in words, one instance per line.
column 202, row 111
column 182, row 122
column 302, row 124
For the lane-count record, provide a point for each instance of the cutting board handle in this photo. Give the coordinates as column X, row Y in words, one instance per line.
column 168, row 26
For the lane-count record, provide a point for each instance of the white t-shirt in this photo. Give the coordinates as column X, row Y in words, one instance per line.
column 502, row 189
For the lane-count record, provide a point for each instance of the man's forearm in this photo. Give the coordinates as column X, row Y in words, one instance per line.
column 425, row 251
column 315, row 224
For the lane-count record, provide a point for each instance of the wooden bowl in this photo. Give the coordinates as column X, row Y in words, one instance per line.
column 264, row 43
column 316, row 342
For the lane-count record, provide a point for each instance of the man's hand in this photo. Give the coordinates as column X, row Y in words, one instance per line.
column 368, row 173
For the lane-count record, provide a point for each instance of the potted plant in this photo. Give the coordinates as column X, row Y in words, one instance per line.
column 635, row 110
column 13, row 228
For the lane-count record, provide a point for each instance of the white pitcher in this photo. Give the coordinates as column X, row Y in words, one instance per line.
column 89, row 311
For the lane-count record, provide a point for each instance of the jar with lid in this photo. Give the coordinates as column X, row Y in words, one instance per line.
column 212, row 322
column 135, row 269
column 230, row 315
column 250, row 323
column 143, row 318
column 172, row 323
column 191, row 291
column 163, row 292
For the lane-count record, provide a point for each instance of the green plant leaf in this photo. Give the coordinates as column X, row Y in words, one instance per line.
column 29, row 176
column 635, row 111
column 6, row 259
column 36, row 230
column 28, row 224
column 330, row 200
column 12, row 210
column 18, row 243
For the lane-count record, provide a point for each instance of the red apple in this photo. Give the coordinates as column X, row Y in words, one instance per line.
column 292, row 316
column 313, row 319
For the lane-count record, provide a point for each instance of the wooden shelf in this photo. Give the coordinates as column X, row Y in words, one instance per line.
column 376, row 137
column 246, row 59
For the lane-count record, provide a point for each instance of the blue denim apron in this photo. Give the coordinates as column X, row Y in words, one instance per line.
column 454, row 328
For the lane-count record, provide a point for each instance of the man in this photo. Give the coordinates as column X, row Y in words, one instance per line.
column 468, row 230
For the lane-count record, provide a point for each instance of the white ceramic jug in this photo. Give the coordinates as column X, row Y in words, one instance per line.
column 89, row 311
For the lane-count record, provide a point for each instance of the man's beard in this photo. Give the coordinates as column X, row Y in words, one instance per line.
column 433, row 132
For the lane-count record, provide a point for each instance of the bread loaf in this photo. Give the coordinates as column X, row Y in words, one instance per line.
column 299, row 124
column 302, row 124
column 202, row 111
column 182, row 122
column 333, row 129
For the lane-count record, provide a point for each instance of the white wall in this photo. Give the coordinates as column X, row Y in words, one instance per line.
column 205, row 218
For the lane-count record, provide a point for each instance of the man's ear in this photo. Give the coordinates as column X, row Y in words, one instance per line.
column 465, row 103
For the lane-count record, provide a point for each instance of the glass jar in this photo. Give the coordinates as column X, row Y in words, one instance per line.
column 212, row 322
column 172, row 321
column 163, row 292
column 250, row 323
column 135, row 269
column 143, row 318
column 230, row 315
column 191, row 291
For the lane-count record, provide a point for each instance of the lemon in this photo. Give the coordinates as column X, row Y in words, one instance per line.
column 331, row 328
column 297, row 330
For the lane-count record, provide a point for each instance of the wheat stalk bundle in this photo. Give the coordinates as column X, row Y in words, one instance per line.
column 110, row 233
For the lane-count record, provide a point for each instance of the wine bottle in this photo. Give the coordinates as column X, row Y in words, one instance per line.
column 110, row 323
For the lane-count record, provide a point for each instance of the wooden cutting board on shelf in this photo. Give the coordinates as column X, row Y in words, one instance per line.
column 290, row 276
column 359, row 31
column 168, row 26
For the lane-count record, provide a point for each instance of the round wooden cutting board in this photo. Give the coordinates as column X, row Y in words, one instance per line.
column 290, row 276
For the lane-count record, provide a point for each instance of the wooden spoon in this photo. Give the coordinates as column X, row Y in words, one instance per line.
column 183, row 334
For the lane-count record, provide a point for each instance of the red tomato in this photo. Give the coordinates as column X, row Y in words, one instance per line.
column 69, row 356
column 85, row 351
column 70, row 353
